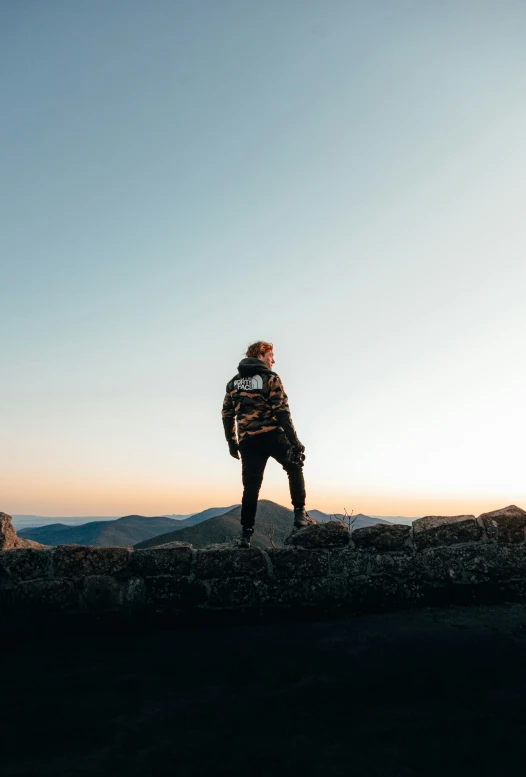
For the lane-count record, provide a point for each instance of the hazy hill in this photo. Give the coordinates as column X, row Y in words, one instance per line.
column 225, row 527
column 360, row 519
column 177, row 516
column 31, row 521
column 124, row 531
column 204, row 515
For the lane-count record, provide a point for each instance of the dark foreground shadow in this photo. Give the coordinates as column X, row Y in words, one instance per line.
column 418, row 693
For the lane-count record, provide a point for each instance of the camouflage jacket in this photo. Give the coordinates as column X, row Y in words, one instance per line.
column 256, row 399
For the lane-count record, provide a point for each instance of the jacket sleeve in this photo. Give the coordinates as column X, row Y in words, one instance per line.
column 280, row 407
column 229, row 418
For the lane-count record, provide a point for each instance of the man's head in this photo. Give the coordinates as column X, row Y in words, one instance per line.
column 262, row 351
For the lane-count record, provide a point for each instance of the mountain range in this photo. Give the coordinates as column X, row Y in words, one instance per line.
column 125, row 532
column 210, row 526
column 357, row 521
column 121, row 532
column 271, row 519
column 21, row 522
column 204, row 515
column 273, row 524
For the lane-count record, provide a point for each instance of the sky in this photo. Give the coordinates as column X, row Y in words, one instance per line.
column 346, row 180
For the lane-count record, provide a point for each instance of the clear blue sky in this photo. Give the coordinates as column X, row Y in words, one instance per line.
column 344, row 179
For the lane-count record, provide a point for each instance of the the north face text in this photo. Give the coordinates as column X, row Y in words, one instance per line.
column 249, row 384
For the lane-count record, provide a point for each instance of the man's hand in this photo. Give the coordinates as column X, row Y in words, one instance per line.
column 296, row 453
column 233, row 447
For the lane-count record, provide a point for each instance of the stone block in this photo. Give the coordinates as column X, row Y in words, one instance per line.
column 298, row 562
column 506, row 562
column 339, row 591
column 173, row 560
column 411, row 590
column 347, row 561
column 134, row 593
column 25, row 564
column 447, row 565
column 104, row 593
column 291, row 592
column 169, row 592
column 478, row 564
column 434, row 530
column 398, row 564
column 232, row 592
column 383, row 537
column 268, row 591
column 230, row 562
column 441, row 565
column 87, row 560
column 506, row 525
column 316, row 590
column 45, row 596
column 331, row 534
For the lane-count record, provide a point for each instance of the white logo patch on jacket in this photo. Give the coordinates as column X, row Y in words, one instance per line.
column 249, row 384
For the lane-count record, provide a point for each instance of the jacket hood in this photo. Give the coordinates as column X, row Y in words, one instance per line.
column 251, row 366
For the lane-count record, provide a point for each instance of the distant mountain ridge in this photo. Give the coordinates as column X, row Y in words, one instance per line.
column 32, row 521
column 204, row 515
column 358, row 521
column 125, row 531
column 273, row 524
column 133, row 530
column 223, row 528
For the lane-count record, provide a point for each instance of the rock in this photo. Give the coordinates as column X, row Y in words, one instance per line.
column 320, row 535
column 232, row 592
column 449, row 565
column 375, row 593
column 388, row 565
column 298, row 562
column 165, row 593
column 21, row 543
column 45, row 596
column 105, row 593
column 435, row 530
column 382, row 537
column 18, row 564
column 347, row 561
column 9, row 538
column 229, row 562
column 83, row 560
column 506, row 524
column 171, row 559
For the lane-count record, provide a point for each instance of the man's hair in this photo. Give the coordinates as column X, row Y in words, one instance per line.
column 258, row 349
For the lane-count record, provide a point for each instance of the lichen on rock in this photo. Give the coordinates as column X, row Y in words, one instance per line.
column 320, row 535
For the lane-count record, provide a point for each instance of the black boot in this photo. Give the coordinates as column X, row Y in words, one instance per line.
column 302, row 518
column 244, row 539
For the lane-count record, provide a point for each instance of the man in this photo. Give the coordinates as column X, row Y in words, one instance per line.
column 256, row 399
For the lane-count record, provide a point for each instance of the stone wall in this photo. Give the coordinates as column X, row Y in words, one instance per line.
column 323, row 571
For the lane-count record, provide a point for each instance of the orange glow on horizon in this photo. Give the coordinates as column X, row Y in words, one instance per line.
column 77, row 499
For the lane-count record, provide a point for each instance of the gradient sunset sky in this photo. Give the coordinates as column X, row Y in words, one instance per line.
column 344, row 179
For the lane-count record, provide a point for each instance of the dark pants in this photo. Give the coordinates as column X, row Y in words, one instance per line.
column 255, row 451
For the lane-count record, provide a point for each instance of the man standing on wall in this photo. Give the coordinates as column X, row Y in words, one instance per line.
column 256, row 399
